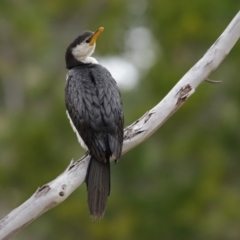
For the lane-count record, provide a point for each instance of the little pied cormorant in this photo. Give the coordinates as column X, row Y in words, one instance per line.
column 94, row 108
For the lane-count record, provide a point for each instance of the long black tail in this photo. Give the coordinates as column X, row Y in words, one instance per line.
column 98, row 187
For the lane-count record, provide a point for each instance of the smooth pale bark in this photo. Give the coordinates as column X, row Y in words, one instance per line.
column 53, row 193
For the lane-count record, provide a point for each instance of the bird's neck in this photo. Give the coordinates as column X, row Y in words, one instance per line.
column 88, row 60
column 73, row 62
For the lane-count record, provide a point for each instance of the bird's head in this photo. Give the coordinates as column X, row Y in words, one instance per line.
column 82, row 48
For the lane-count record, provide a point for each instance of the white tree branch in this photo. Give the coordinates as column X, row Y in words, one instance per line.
column 55, row 192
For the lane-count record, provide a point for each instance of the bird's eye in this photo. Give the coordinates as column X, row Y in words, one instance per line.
column 88, row 40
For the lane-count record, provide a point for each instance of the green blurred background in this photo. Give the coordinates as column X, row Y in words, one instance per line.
column 184, row 181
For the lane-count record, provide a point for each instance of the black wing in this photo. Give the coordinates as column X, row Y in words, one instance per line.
column 94, row 104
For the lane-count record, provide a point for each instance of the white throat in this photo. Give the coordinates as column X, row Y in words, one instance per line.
column 83, row 51
column 89, row 60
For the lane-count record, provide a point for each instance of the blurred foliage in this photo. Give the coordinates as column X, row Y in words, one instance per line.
column 183, row 182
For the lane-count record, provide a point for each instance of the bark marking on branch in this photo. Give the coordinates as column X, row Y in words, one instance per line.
column 184, row 93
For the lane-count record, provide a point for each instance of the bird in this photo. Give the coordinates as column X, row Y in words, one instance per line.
column 94, row 108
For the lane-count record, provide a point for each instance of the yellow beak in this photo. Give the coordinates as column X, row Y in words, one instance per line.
column 96, row 35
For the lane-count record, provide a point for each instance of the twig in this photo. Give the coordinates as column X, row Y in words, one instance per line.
column 213, row 81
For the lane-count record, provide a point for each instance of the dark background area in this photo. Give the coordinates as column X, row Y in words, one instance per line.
column 181, row 183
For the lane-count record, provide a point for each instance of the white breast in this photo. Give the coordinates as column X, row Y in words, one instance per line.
column 80, row 140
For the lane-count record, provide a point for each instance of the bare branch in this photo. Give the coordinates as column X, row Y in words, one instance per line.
column 53, row 193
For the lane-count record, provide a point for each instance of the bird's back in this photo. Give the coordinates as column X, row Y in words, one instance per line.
column 94, row 104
